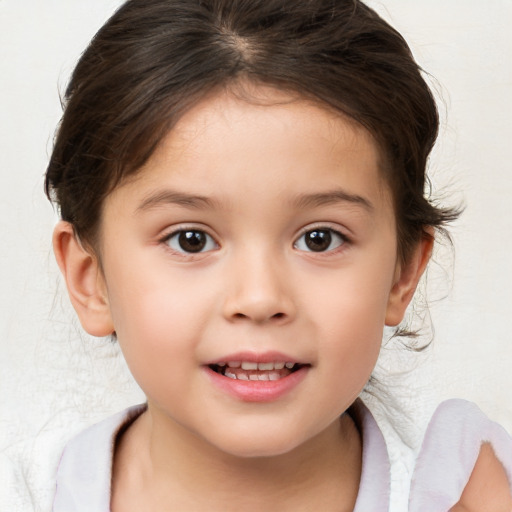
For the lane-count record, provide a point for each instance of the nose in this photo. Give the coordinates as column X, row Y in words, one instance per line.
column 258, row 290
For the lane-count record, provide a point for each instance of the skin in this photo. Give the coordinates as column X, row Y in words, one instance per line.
column 268, row 172
column 488, row 488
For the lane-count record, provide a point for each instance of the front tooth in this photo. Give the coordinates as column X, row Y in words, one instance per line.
column 290, row 365
column 253, row 376
column 274, row 376
column 243, row 376
column 221, row 364
column 265, row 366
column 246, row 365
column 234, row 364
column 263, row 376
column 227, row 373
column 278, row 366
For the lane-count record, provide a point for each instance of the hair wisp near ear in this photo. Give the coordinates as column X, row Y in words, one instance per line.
column 84, row 281
column 406, row 280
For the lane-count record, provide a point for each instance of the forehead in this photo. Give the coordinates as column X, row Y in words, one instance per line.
column 227, row 136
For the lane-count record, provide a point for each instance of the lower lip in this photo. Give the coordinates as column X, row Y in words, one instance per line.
column 258, row 390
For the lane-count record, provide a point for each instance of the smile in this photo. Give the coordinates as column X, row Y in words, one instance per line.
column 253, row 371
column 263, row 377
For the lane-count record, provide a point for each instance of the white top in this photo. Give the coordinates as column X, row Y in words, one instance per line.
column 448, row 455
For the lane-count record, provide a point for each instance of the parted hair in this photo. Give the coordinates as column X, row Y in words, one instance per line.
column 154, row 59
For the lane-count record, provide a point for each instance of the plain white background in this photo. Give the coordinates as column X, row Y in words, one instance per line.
column 54, row 380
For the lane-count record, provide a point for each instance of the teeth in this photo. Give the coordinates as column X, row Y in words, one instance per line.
column 251, row 365
column 263, row 376
column 268, row 369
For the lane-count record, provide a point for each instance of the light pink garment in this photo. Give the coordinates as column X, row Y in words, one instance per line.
column 374, row 487
column 85, row 469
column 449, row 452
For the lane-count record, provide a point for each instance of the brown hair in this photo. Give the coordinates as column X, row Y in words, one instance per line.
column 154, row 59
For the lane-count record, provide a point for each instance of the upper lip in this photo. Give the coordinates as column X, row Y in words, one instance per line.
column 257, row 357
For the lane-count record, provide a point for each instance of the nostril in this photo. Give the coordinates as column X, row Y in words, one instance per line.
column 242, row 316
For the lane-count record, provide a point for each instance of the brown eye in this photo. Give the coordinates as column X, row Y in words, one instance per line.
column 191, row 241
column 320, row 240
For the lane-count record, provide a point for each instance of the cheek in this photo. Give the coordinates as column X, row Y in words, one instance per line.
column 349, row 301
column 158, row 340
column 149, row 294
column 350, row 312
column 352, row 346
column 349, row 359
column 158, row 319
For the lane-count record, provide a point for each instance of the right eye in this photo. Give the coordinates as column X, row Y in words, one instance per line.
column 191, row 241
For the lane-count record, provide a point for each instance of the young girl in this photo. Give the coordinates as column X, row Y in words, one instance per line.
column 241, row 185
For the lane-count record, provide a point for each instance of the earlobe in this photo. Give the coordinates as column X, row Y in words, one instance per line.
column 406, row 280
column 84, row 281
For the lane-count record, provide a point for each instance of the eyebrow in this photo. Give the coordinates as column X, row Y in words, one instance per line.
column 197, row 202
column 332, row 197
column 170, row 197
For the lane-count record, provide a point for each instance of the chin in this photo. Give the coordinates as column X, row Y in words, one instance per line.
column 258, row 452
column 253, row 444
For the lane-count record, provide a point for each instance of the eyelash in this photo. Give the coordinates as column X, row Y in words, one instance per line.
column 334, row 237
column 326, row 234
column 209, row 242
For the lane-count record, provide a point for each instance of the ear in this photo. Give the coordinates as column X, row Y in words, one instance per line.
column 84, row 281
column 406, row 279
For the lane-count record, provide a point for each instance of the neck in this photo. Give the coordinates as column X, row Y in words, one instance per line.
column 181, row 469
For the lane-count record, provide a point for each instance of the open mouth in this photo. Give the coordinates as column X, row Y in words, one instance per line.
column 249, row 370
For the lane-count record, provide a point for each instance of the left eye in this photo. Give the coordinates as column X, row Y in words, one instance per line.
column 191, row 241
column 319, row 240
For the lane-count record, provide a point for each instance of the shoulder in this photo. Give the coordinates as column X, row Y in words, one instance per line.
column 464, row 454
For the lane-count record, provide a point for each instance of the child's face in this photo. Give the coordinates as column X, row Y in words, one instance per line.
column 253, row 234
